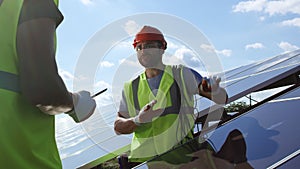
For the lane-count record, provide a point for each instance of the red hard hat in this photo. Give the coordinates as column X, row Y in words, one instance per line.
column 148, row 33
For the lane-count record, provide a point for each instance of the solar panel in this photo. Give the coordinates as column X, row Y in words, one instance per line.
column 261, row 66
column 254, row 77
column 270, row 134
column 81, row 144
column 276, row 120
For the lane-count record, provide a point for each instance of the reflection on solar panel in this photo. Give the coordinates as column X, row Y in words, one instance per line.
column 270, row 134
column 94, row 141
column 246, row 79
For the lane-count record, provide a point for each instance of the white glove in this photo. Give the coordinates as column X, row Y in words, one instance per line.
column 84, row 106
column 147, row 113
column 211, row 84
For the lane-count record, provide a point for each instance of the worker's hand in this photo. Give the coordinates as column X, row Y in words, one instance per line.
column 147, row 113
column 211, row 84
column 84, row 106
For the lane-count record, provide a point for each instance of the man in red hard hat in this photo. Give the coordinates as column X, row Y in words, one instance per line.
column 158, row 106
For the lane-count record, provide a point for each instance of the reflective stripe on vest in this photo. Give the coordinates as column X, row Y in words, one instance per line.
column 8, row 55
column 9, row 81
column 175, row 97
column 170, row 128
column 175, row 88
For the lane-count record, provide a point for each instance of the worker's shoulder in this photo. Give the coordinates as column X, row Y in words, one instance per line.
column 180, row 67
column 177, row 67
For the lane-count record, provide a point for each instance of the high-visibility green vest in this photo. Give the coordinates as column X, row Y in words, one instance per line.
column 27, row 135
column 172, row 126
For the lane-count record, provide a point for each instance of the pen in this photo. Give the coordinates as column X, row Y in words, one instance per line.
column 99, row 92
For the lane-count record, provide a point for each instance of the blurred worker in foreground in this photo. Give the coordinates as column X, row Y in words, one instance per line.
column 31, row 91
column 158, row 106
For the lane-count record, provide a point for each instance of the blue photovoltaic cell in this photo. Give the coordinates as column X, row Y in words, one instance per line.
column 255, row 77
column 267, row 130
column 270, row 133
column 285, row 59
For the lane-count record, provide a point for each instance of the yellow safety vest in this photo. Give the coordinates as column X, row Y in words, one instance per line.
column 172, row 126
column 27, row 135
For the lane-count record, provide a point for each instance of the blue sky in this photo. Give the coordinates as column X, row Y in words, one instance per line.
column 241, row 32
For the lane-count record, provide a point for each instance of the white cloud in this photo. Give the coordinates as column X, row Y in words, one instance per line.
column 171, row 59
column 129, row 62
column 102, row 84
column 125, row 44
column 224, row 52
column 172, row 45
column 210, row 48
column 181, row 55
column 269, row 7
column 87, row 2
column 283, row 7
column 121, row 61
column 287, row 47
column 248, row 6
column 254, row 46
column 131, row 27
column 65, row 75
column 104, row 98
column 262, row 18
column 207, row 47
column 181, row 52
column 185, row 56
column 106, row 64
column 292, row 22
